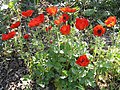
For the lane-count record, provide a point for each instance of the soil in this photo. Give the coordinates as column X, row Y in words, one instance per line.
column 11, row 70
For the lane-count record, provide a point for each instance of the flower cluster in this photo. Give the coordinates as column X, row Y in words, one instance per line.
column 81, row 23
column 34, row 22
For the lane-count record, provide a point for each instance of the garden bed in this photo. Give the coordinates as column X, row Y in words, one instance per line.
column 60, row 45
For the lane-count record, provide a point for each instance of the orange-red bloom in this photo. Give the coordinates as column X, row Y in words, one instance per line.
column 52, row 10
column 81, row 23
column 64, row 17
column 65, row 29
column 26, row 36
column 11, row 34
column 61, row 19
column 48, row 28
column 58, row 22
column 27, row 13
column 8, row 36
column 111, row 21
column 36, row 21
column 83, row 61
column 68, row 9
column 98, row 30
column 5, row 37
column 15, row 25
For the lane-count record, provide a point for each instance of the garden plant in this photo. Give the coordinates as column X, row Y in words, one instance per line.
column 65, row 45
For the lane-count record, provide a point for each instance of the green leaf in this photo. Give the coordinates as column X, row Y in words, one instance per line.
column 105, row 13
column 89, row 12
column 57, row 66
column 11, row 4
column 77, row 8
column 74, row 70
column 62, row 59
column 65, row 72
column 70, row 79
column 49, row 64
column 37, row 72
column 100, row 22
column 81, row 87
column 26, row 77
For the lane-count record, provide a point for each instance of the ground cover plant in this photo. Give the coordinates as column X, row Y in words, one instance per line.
column 65, row 45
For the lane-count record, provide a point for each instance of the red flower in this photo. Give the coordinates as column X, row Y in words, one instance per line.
column 68, row 9
column 98, row 30
column 26, row 36
column 15, row 25
column 52, row 10
column 48, row 28
column 51, row 41
column 27, row 13
column 83, row 61
column 111, row 21
column 36, row 21
column 64, row 17
column 8, row 36
column 72, row 10
column 65, row 29
column 81, row 23
column 57, row 22
column 11, row 34
column 5, row 37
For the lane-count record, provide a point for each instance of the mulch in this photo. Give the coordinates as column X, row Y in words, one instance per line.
column 11, row 70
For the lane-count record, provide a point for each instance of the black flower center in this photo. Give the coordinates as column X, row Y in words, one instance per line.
column 99, row 31
column 82, row 60
column 64, row 18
